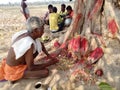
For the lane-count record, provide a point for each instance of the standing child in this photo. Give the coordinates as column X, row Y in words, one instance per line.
column 25, row 10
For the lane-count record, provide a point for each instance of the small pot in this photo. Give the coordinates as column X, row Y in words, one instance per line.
column 40, row 86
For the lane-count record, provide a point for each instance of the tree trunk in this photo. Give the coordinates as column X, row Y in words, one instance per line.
column 99, row 22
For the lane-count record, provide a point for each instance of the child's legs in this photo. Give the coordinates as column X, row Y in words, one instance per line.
column 36, row 74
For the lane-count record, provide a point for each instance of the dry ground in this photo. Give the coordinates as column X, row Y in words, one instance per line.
column 12, row 20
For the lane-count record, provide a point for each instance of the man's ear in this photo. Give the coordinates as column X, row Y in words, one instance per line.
column 35, row 29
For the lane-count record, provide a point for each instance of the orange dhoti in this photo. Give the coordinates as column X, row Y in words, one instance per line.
column 11, row 73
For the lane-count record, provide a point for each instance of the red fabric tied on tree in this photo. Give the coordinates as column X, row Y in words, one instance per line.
column 95, row 55
column 83, row 46
column 56, row 44
column 112, row 26
column 74, row 44
column 64, row 46
column 78, row 44
column 96, row 8
column 77, row 18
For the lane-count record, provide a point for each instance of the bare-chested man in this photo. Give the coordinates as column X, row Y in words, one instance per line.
column 25, row 47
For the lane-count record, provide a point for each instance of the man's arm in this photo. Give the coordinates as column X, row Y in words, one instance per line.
column 46, row 15
column 36, row 54
column 29, row 58
column 30, row 61
column 44, row 49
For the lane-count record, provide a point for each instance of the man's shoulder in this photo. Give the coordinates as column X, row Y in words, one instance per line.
column 54, row 14
column 17, row 34
column 20, row 32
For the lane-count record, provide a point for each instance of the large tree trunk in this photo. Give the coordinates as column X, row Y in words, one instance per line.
column 99, row 22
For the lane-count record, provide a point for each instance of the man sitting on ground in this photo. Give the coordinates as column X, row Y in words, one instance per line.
column 25, row 47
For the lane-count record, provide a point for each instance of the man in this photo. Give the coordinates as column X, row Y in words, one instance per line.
column 25, row 47
column 25, row 10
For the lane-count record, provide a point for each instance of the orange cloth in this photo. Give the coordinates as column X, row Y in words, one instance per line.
column 11, row 73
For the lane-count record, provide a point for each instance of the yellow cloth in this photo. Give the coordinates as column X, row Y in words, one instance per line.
column 62, row 16
column 62, row 13
column 60, row 19
column 53, row 20
column 11, row 73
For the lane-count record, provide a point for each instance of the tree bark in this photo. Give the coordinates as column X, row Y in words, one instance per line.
column 88, row 20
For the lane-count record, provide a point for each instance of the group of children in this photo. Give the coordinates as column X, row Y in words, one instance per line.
column 57, row 21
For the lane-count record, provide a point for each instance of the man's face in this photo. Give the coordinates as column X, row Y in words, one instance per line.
column 50, row 10
column 68, row 11
column 62, row 8
column 40, row 31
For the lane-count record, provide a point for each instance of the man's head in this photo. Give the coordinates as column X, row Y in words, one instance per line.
column 55, row 9
column 63, row 6
column 35, row 24
column 50, row 8
column 69, row 9
column 24, row 0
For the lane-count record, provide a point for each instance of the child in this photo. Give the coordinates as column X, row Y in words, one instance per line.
column 62, row 12
column 25, row 10
column 68, row 18
column 53, row 20
column 46, row 17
